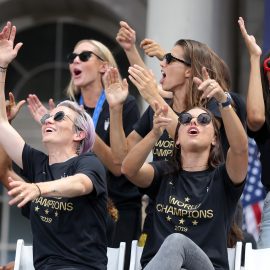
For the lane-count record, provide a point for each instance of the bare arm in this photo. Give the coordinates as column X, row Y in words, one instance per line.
column 116, row 94
column 6, row 170
column 104, row 153
column 126, row 38
column 134, row 166
column 71, row 186
column 8, row 135
column 237, row 156
column 255, row 101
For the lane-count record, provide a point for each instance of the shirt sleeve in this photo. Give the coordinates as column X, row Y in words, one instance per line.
column 31, row 159
column 260, row 136
column 145, row 124
column 153, row 189
column 131, row 114
column 94, row 169
column 235, row 191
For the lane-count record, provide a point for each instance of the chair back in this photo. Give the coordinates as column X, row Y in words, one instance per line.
column 135, row 256
column 234, row 256
column 256, row 259
column 116, row 257
column 24, row 257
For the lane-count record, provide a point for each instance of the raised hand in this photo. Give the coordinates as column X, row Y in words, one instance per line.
column 12, row 108
column 126, row 36
column 250, row 40
column 152, row 48
column 7, row 50
column 209, row 87
column 145, row 82
column 160, row 120
column 36, row 108
column 22, row 192
column 116, row 90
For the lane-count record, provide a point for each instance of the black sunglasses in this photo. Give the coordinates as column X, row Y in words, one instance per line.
column 83, row 56
column 168, row 57
column 203, row 118
column 59, row 116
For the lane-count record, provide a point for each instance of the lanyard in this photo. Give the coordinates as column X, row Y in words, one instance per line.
column 98, row 107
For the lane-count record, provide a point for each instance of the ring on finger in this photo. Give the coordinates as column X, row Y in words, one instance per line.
column 21, row 195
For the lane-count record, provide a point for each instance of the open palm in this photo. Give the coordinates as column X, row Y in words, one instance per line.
column 7, row 50
column 116, row 90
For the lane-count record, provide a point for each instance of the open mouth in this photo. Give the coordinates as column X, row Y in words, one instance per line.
column 163, row 74
column 49, row 130
column 193, row 131
column 77, row 72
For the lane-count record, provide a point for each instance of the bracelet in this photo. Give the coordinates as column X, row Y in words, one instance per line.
column 3, row 69
column 38, row 189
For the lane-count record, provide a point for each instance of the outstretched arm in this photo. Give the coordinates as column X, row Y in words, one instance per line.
column 8, row 135
column 255, row 101
column 71, row 186
column 237, row 156
column 126, row 38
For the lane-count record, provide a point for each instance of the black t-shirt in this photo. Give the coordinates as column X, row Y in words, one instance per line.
column 163, row 148
column 262, row 139
column 124, row 194
column 199, row 205
column 68, row 231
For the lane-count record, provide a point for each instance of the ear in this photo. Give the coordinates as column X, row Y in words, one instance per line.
column 103, row 67
column 188, row 72
column 214, row 141
column 79, row 136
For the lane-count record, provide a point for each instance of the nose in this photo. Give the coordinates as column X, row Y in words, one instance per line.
column 194, row 121
column 163, row 62
column 49, row 119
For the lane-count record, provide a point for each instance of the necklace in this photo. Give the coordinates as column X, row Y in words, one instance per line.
column 192, row 167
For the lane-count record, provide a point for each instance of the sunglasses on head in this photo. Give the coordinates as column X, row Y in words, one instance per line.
column 203, row 118
column 83, row 56
column 266, row 64
column 59, row 116
column 168, row 57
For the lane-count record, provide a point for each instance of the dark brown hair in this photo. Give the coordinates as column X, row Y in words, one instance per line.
column 216, row 154
column 200, row 55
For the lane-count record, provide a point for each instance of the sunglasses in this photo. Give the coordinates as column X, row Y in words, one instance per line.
column 83, row 56
column 59, row 116
column 266, row 64
column 203, row 118
column 168, row 57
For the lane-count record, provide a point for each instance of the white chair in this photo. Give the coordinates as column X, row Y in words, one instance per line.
column 24, row 257
column 234, row 256
column 135, row 256
column 116, row 257
column 256, row 259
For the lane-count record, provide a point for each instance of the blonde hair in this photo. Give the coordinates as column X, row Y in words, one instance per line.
column 104, row 53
